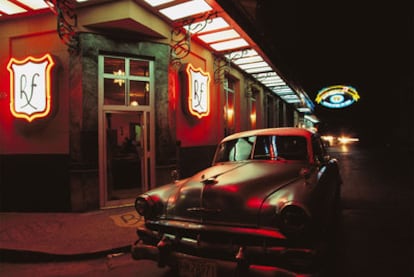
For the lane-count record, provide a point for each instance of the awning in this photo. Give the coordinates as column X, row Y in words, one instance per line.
column 209, row 25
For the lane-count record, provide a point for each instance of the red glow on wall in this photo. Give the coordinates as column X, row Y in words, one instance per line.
column 198, row 91
column 30, row 87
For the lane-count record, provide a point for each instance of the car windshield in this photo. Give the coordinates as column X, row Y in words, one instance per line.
column 271, row 147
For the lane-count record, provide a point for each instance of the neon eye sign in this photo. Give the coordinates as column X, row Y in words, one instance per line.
column 30, row 86
column 198, row 91
column 337, row 97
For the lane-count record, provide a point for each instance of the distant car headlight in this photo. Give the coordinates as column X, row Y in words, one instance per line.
column 294, row 219
column 146, row 206
column 347, row 140
column 329, row 139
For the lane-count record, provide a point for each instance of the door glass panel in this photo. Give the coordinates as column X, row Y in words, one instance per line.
column 139, row 93
column 148, row 148
column 124, row 142
column 148, row 133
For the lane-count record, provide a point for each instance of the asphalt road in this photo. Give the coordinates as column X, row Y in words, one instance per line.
column 374, row 237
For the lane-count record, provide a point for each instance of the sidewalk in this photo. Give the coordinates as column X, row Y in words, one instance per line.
column 55, row 236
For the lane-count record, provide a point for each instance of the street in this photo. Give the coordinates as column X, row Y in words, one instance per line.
column 375, row 234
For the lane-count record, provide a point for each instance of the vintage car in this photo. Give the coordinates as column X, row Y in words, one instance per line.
column 264, row 206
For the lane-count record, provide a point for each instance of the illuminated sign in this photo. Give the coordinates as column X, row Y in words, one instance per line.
column 30, row 87
column 198, row 91
column 337, row 97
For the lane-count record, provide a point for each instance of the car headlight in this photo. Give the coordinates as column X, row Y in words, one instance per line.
column 294, row 219
column 141, row 206
column 146, row 206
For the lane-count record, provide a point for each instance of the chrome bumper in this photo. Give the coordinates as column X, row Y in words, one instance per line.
column 171, row 259
column 166, row 252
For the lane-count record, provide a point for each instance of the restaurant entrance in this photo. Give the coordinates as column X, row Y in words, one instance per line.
column 124, row 163
column 126, row 133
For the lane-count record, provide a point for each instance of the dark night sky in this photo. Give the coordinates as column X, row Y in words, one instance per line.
column 369, row 47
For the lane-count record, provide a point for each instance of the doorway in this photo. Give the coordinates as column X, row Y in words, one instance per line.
column 125, row 163
column 126, row 133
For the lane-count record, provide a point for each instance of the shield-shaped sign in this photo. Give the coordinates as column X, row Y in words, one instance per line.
column 30, row 86
column 198, row 91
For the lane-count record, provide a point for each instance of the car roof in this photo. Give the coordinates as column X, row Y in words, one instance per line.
column 283, row 131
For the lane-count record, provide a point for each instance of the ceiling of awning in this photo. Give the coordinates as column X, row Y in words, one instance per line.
column 216, row 31
column 9, row 8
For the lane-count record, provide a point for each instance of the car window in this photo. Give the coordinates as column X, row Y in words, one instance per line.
column 235, row 150
column 263, row 148
column 281, row 147
column 291, row 147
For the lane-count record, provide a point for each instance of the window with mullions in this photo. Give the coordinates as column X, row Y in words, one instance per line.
column 126, row 81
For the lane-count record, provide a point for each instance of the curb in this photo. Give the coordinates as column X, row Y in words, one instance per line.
column 25, row 256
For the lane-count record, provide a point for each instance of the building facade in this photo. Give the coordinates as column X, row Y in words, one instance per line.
column 104, row 106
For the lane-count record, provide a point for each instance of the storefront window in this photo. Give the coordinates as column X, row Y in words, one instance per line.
column 253, row 113
column 253, row 107
column 126, row 81
column 229, row 107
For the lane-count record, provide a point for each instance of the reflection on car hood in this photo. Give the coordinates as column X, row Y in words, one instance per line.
column 230, row 193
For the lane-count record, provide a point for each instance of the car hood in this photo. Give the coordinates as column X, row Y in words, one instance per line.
column 230, row 193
